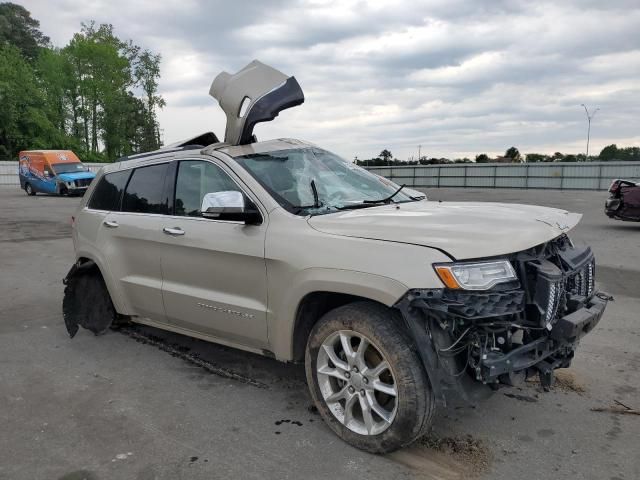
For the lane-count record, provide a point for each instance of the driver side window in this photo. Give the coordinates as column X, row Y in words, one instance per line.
column 195, row 179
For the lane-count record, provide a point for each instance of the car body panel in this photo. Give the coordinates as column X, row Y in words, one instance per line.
column 132, row 252
column 320, row 262
column 214, row 279
column 87, row 230
column 71, row 176
column 462, row 229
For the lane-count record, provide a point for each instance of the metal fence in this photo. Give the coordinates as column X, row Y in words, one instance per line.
column 569, row 176
column 560, row 176
column 9, row 172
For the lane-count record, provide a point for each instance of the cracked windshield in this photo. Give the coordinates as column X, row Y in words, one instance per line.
column 315, row 181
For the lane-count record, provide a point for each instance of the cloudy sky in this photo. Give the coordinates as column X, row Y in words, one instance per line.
column 456, row 77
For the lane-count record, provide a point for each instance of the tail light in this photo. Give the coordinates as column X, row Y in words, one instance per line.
column 614, row 187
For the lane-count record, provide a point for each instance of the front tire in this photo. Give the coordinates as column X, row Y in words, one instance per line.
column 366, row 379
column 29, row 189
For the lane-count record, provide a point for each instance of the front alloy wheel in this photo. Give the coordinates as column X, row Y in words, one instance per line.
column 357, row 383
column 366, row 379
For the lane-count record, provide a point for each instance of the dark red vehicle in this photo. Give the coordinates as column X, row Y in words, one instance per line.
column 624, row 201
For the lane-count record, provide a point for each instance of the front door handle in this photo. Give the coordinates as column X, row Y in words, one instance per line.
column 173, row 231
column 110, row 224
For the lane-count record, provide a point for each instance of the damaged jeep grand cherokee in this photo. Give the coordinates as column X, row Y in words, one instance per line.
column 395, row 304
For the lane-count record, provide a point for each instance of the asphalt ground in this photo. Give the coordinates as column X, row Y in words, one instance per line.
column 143, row 404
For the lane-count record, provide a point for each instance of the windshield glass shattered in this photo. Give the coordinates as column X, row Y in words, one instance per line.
column 314, row 181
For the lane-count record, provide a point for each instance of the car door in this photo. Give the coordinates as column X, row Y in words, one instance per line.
column 214, row 271
column 131, row 241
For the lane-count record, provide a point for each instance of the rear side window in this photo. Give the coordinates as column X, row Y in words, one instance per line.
column 144, row 193
column 108, row 192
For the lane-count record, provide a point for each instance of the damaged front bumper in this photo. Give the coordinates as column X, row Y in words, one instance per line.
column 429, row 313
column 548, row 352
column 467, row 339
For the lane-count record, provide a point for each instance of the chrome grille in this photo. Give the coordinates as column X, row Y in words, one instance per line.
column 556, row 290
column 583, row 281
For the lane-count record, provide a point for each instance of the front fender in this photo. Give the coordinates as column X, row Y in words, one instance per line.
column 281, row 317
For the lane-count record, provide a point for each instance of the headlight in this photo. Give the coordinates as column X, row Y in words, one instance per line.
column 70, row 184
column 475, row 276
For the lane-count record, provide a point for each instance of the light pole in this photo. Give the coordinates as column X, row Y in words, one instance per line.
column 589, row 117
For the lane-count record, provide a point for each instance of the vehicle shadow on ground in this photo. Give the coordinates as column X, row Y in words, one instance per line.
column 226, row 362
column 432, row 457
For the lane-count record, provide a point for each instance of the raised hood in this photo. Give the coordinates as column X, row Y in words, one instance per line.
column 257, row 93
column 464, row 230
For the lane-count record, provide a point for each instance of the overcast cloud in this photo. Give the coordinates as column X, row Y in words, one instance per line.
column 457, row 77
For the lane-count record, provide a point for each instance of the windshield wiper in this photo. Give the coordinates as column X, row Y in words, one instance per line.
column 387, row 199
column 356, row 206
column 316, row 200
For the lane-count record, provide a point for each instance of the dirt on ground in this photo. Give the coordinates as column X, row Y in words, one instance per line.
column 566, row 381
column 470, row 452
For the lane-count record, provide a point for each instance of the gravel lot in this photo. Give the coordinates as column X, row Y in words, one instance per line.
column 145, row 404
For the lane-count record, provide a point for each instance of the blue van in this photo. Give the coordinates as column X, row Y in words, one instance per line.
column 53, row 171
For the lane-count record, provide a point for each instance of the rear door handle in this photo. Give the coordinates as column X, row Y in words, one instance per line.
column 110, row 224
column 173, row 231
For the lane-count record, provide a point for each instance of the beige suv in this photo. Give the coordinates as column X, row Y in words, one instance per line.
column 395, row 304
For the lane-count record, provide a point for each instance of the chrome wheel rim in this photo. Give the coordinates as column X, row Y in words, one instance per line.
column 357, row 383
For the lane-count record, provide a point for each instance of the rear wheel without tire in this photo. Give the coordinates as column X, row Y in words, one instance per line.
column 366, row 379
column 87, row 304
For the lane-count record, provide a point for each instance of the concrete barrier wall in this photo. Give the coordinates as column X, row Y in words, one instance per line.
column 576, row 176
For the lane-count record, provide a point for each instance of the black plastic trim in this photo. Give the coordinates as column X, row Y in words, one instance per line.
column 270, row 105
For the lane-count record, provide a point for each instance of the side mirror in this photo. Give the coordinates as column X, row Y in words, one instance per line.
column 230, row 206
column 47, row 173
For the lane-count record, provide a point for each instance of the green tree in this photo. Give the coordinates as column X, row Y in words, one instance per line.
column 23, row 120
column 514, row 154
column 482, row 158
column 52, row 71
column 17, row 28
column 631, row 154
column 535, row 157
column 98, row 95
column 147, row 73
column 608, row 153
column 385, row 155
